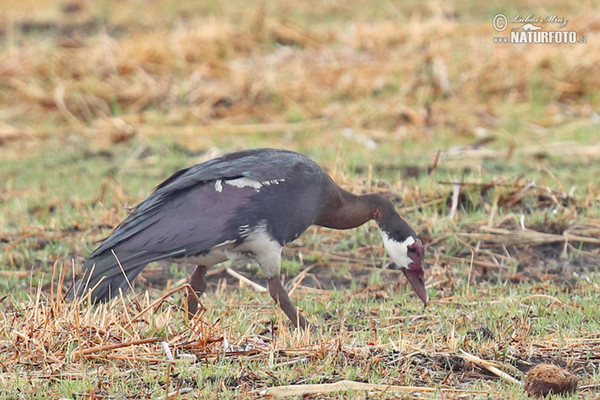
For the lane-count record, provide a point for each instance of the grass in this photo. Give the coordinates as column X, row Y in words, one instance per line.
column 99, row 102
column 387, row 341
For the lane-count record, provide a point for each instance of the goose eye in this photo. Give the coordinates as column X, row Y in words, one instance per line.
column 412, row 249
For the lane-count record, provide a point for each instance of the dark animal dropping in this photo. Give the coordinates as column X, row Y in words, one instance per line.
column 544, row 379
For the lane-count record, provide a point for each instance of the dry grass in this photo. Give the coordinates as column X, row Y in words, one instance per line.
column 99, row 75
column 142, row 349
column 490, row 151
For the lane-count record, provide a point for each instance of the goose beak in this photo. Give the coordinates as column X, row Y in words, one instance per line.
column 414, row 271
column 415, row 276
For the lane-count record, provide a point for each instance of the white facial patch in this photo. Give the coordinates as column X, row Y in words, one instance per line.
column 218, row 186
column 398, row 251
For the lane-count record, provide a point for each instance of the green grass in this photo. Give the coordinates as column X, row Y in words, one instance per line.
column 396, row 327
column 149, row 90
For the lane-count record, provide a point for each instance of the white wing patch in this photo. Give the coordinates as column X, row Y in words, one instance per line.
column 218, row 186
column 244, row 231
column 273, row 182
column 246, row 182
column 398, row 251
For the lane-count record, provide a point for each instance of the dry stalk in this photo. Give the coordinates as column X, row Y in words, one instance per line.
column 490, row 367
column 324, row 388
column 116, row 346
column 245, row 280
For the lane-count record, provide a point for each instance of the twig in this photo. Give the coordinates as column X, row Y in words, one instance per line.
column 299, row 390
column 475, row 262
column 543, row 296
column 179, row 391
column 493, row 213
column 519, row 196
column 470, row 272
column 298, row 279
column 125, row 276
column 455, row 195
column 117, row 346
column 488, row 365
column 157, row 303
column 245, row 280
column 113, row 356
column 167, row 350
column 215, row 271
column 525, row 237
column 592, row 386
column 290, row 362
column 422, row 205
column 434, row 164
column 491, row 184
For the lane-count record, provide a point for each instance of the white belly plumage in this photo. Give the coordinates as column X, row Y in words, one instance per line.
column 257, row 246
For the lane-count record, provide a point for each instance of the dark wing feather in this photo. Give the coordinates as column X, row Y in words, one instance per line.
column 184, row 216
column 188, row 223
column 258, row 164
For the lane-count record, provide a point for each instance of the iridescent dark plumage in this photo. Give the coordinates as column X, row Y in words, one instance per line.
column 251, row 202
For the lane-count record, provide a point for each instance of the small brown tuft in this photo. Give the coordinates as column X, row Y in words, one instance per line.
column 544, row 379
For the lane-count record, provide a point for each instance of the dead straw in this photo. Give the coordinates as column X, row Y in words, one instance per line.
column 324, row 388
column 489, row 366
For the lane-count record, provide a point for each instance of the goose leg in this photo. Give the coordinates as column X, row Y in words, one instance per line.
column 278, row 293
column 198, row 283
